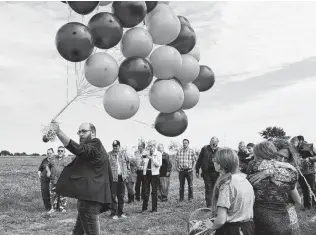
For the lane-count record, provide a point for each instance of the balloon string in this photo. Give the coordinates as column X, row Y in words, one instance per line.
column 67, row 88
column 63, row 109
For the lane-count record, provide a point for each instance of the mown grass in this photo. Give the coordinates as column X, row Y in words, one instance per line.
column 21, row 207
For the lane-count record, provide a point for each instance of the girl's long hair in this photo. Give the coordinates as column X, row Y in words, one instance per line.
column 228, row 160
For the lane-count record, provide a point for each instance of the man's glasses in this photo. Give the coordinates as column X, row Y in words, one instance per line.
column 60, row 151
column 82, row 131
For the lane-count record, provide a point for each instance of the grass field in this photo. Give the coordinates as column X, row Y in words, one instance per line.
column 21, row 207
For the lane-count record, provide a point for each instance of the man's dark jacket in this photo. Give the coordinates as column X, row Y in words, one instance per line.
column 88, row 176
column 205, row 160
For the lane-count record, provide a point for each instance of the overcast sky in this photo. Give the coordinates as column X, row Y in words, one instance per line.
column 263, row 55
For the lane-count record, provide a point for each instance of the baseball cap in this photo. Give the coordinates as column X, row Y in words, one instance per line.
column 116, row 143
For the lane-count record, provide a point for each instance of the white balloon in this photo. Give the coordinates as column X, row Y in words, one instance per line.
column 121, row 101
column 189, row 69
column 166, row 96
column 166, row 61
column 101, row 69
column 164, row 27
column 191, row 96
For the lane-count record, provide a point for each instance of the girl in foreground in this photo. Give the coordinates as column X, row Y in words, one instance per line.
column 233, row 197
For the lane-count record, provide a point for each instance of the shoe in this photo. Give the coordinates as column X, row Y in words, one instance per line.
column 63, row 211
column 153, row 211
column 51, row 211
column 115, row 217
column 123, row 216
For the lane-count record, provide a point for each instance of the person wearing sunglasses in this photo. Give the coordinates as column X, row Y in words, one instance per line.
column 88, row 178
column 54, row 168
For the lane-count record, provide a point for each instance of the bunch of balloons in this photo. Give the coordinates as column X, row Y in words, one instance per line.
column 155, row 42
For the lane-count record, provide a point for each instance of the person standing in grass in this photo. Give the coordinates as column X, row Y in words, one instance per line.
column 233, row 197
column 42, row 174
column 151, row 163
column 54, row 168
column 185, row 163
column 205, row 163
column 164, row 175
column 87, row 178
column 118, row 163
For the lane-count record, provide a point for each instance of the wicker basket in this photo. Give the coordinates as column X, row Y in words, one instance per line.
column 199, row 216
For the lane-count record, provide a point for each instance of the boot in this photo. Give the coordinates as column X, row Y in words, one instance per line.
column 129, row 198
column 132, row 198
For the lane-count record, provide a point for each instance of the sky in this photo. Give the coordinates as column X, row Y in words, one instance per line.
column 262, row 53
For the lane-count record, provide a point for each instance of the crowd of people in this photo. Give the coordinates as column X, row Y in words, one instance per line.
column 250, row 191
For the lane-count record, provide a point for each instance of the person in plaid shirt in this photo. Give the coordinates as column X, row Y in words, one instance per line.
column 185, row 163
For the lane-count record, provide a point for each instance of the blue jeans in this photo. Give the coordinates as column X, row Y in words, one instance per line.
column 88, row 218
column 189, row 176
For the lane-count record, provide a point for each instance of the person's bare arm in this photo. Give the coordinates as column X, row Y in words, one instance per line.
column 220, row 219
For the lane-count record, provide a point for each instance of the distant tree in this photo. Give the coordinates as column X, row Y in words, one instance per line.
column 5, row 153
column 24, row 154
column 272, row 133
column 174, row 147
column 17, row 154
column 35, row 154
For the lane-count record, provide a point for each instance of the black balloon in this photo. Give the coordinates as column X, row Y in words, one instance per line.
column 151, row 5
column 136, row 72
column 206, row 78
column 45, row 139
column 185, row 41
column 84, row 7
column 184, row 20
column 171, row 124
column 106, row 30
column 129, row 13
column 74, row 42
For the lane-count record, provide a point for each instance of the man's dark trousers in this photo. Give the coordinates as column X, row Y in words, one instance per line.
column 118, row 193
column 153, row 181
column 209, row 182
column 87, row 222
column 139, row 186
column 189, row 176
column 45, row 192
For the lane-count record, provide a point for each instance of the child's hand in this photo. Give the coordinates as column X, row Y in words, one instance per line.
column 48, row 174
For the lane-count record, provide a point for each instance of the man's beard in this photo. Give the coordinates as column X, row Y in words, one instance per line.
column 85, row 140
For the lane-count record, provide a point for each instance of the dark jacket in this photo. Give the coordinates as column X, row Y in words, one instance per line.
column 88, row 176
column 42, row 169
column 166, row 165
column 244, row 159
column 205, row 160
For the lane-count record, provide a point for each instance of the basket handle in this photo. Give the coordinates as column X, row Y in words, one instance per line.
column 194, row 213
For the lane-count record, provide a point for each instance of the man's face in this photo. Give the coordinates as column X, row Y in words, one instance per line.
column 84, row 133
column 49, row 154
column 116, row 148
column 295, row 143
column 61, row 152
column 250, row 149
column 140, row 148
column 214, row 143
column 185, row 143
column 160, row 148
